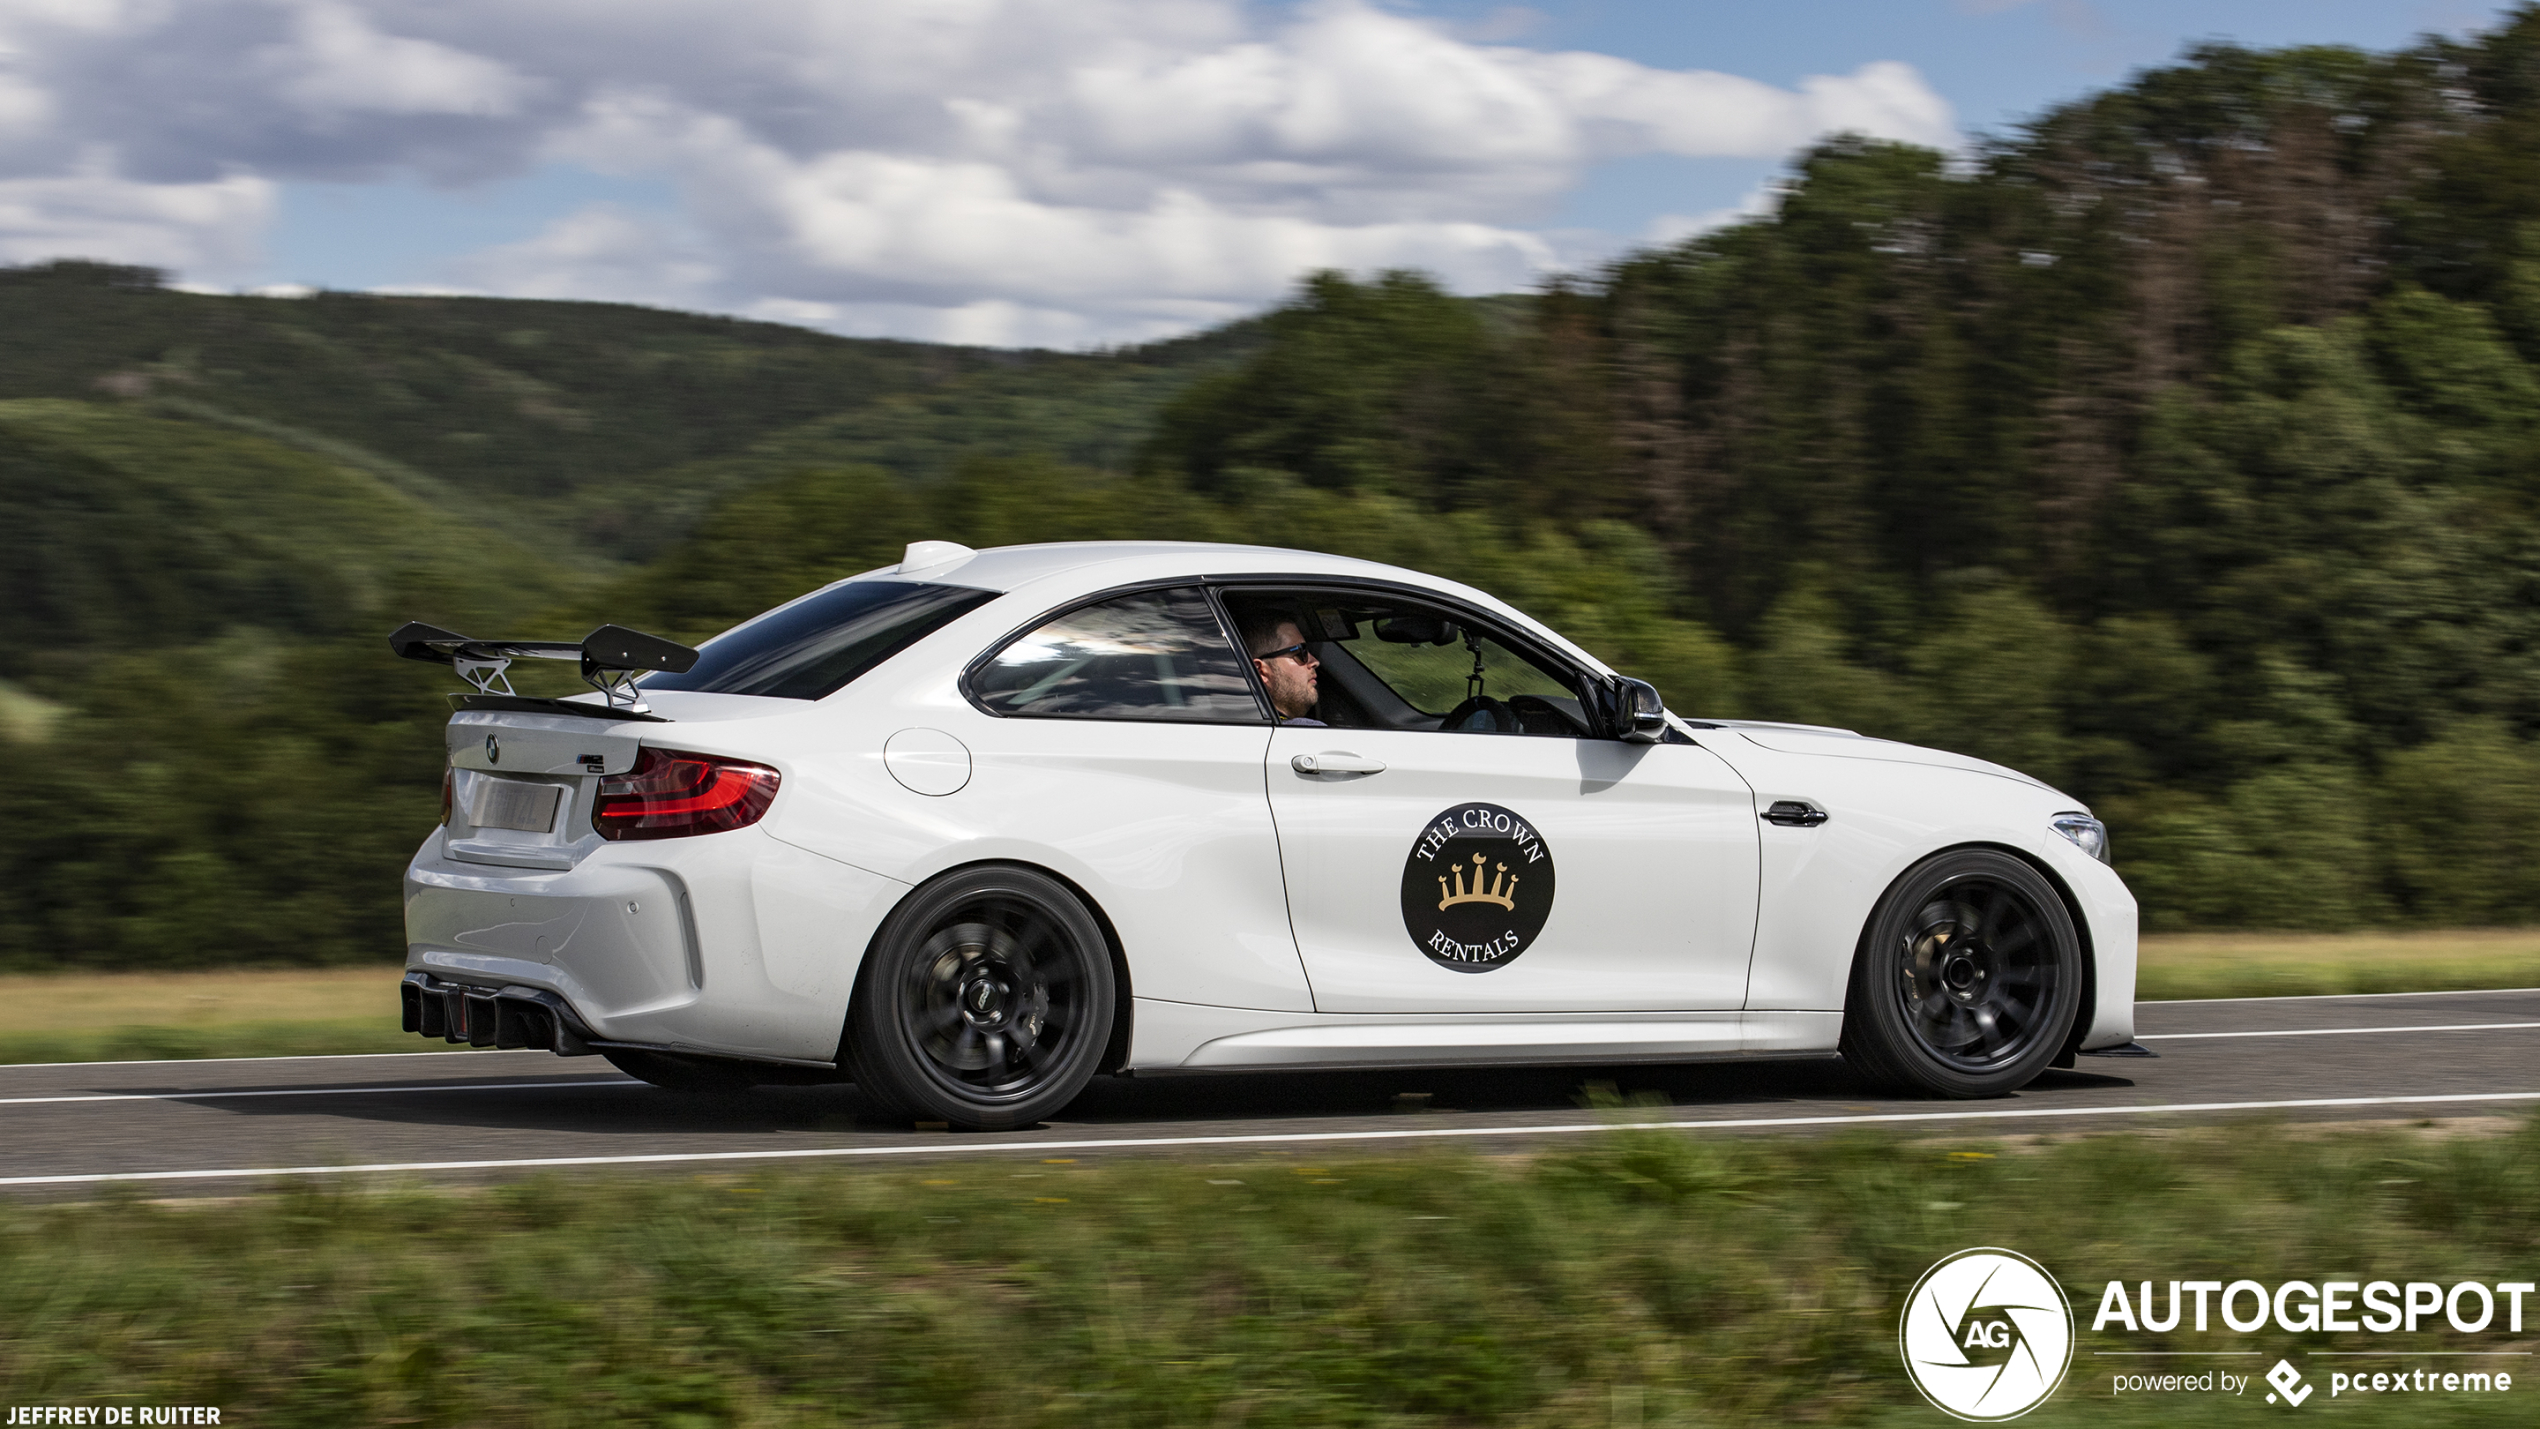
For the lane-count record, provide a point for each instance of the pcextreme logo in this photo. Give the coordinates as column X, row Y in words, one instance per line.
column 1986, row 1335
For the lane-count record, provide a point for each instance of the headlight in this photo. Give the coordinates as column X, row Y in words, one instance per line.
column 2086, row 831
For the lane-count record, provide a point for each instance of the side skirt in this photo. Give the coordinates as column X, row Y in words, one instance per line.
column 1174, row 1036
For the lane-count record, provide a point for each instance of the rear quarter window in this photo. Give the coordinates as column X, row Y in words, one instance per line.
column 821, row 644
column 1154, row 655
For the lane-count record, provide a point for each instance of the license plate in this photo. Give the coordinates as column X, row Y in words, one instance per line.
column 514, row 804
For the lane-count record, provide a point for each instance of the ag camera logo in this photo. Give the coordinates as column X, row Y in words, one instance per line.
column 1986, row 1335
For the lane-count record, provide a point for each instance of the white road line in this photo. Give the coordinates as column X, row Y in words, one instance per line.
column 2333, row 1031
column 324, row 1091
column 2329, row 996
column 932, row 1147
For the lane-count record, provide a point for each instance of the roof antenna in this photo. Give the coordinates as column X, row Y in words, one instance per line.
column 926, row 555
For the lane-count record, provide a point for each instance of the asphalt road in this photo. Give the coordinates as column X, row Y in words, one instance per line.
column 221, row 1127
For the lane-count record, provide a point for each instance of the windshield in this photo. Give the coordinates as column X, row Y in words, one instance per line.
column 816, row 646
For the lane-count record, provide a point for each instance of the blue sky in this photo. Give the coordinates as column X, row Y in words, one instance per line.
column 1007, row 171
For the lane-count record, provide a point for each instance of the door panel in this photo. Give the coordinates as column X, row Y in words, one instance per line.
column 1165, row 827
column 1627, row 882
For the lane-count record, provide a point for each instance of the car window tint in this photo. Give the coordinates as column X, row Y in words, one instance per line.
column 817, row 645
column 1156, row 655
column 1437, row 678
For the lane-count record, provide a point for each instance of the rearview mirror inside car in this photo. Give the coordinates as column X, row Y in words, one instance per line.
column 1417, row 630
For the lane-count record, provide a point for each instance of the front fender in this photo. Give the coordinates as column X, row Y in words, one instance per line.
column 1819, row 885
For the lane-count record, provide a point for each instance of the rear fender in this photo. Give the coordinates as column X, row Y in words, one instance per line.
column 1123, row 1013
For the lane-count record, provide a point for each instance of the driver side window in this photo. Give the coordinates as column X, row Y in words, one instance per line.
column 1388, row 663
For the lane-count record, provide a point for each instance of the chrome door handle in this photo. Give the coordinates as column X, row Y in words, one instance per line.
column 1336, row 762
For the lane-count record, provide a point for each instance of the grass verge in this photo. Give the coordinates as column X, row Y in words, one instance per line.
column 1646, row 1278
column 2182, row 965
column 235, row 1012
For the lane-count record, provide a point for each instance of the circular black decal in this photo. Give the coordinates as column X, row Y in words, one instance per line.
column 1476, row 888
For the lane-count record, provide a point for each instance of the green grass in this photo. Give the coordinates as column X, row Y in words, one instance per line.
column 2184, row 965
column 243, row 1012
column 1645, row 1278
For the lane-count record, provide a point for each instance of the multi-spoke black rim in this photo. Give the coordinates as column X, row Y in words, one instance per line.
column 1977, row 971
column 995, row 999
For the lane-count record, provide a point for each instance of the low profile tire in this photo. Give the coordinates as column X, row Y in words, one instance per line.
column 1967, row 979
column 986, row 1002
column 672, row 1072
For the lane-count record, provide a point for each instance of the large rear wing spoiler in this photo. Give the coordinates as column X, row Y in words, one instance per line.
column 611, row 657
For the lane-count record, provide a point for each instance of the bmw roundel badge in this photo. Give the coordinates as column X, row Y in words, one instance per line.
column 1476, row 888
column 493, row 750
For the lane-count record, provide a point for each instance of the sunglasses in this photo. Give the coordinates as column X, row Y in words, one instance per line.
column 1298, row 650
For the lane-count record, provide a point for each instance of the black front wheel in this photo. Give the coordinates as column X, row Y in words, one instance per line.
column 1967, row 980
column 985, row 1003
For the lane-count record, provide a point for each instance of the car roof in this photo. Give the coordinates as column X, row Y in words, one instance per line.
column 1008, row 568
column 1060, row 570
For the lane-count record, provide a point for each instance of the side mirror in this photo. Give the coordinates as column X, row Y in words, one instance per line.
column 1640, row 716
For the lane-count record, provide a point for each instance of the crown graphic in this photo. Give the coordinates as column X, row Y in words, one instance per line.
column 1455, row 887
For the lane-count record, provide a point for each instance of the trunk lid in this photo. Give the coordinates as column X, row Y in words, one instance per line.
column 522, row 784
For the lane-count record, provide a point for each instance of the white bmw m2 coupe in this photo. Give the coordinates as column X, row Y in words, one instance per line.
column 969, row 830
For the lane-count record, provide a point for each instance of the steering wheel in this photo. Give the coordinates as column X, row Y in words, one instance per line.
column 1537, row 715
column 1482, row 715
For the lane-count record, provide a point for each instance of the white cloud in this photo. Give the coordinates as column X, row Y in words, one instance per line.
column 336, row 61
column 1017, row 170
column 95, row 213
column 1672, row 228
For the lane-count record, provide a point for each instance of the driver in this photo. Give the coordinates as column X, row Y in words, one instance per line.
column 1287, row 668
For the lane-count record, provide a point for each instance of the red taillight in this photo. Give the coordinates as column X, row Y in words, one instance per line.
column 669, row 794
column 445, row 794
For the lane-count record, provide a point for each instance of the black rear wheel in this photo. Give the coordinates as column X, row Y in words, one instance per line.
column 1967, row 980
column 986, row 1001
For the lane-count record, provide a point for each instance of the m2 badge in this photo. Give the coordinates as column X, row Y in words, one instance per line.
column 1477, row 888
